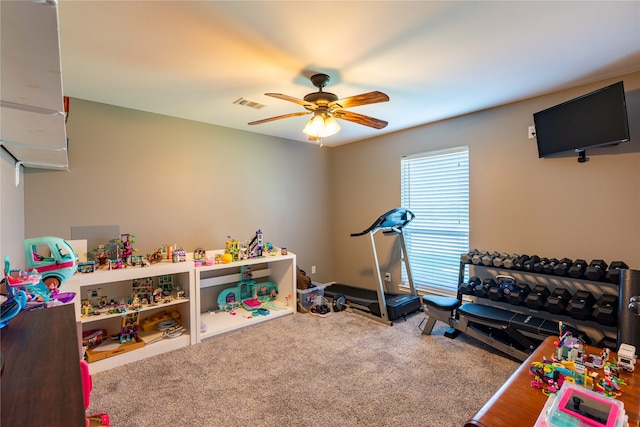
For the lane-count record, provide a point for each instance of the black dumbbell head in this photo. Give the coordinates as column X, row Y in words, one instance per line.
column 558, row 300
column 517, row 293
column 577, row 269
column 468, row 288
column 519, row 264
column 482, row 290
column 562, row 267
column 538, row 267
column 597, row 270
column 502, row 288
column 581, row 305
column 613, row 274
column 537, row 297
column 605, row 310
column 548, row 267
column 495, row 293
column 528, row 264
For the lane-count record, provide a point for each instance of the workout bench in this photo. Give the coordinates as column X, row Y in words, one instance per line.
column 499, row 328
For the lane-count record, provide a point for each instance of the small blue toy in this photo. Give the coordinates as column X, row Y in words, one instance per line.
column 11, row 307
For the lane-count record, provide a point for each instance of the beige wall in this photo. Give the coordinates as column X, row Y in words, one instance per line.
column 169, row 180
column 175, row 181
column 519, row 203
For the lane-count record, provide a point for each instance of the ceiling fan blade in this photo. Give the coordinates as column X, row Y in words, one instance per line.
column 362, row 99
column 284, row 116
column 359, row 119
column 292, row 99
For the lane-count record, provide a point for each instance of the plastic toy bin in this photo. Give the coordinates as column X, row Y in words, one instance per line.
column 309, row 297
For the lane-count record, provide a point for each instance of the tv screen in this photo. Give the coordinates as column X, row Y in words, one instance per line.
column 593, row 120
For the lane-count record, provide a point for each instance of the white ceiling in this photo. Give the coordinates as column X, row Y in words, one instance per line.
column 435, row 60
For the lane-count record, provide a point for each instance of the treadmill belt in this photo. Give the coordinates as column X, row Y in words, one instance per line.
column 398, row 305
column 358, row 295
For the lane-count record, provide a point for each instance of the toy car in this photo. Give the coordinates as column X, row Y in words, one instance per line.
column 53, row 257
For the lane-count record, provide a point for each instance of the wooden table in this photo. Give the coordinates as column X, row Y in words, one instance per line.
column 519, row 404
column 41, row 383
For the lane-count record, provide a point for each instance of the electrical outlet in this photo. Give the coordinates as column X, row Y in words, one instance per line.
column 387, row 277
column 313, row 269
column 532, row 132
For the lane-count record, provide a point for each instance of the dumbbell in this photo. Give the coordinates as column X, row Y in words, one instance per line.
column 487, row 260
column 597, row 270
column 581, row 305
column 497, row 293
column 537, row 297
column 519, row 264
column 538, row 267
column 466, row 258
column 605, row 310
column 558, row 300
column 468, row 287
column 548, row 267
column 498, row 261
column 528, row 264
column 516, row 293
column 577, row 269
column 482, row 290
column 613, row 274
column 562, row 267
column 477, row 257
column 510, row 261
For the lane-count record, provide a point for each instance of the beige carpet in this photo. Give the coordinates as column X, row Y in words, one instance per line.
column 303, row 370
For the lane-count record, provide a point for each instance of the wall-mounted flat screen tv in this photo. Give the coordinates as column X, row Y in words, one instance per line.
column 596, row 119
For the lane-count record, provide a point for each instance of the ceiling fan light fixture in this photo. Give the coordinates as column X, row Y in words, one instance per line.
column 321, row 126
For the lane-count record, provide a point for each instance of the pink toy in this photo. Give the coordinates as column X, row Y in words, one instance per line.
column 592, row 410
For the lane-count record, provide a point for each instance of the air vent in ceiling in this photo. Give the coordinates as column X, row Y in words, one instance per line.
column 248, row 103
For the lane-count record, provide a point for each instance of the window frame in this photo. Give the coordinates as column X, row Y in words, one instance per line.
column 441, row 232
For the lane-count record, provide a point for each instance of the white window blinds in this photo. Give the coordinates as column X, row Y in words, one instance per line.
column 435, row 187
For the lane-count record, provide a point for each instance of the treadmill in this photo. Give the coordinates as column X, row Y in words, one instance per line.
column 378, row 304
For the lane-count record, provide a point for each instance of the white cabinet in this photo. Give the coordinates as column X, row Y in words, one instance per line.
column 117, row 285
column 199, row 307
column 212, row 280
column 32, row 124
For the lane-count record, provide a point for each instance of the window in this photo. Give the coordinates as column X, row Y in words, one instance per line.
column 435, row 187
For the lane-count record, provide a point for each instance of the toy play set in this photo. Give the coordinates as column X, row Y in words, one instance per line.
column 247, row 294
column 26, row 290
column 582, row 388
column 52, row 257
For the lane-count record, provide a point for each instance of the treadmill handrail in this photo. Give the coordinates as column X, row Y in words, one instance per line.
column 389, row 222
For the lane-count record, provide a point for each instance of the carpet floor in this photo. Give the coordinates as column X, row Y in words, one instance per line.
column 304, row 370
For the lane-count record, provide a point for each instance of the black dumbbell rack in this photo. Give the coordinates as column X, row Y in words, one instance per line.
column 597, row 333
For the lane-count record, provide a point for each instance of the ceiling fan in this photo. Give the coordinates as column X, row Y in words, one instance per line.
column 326, row 107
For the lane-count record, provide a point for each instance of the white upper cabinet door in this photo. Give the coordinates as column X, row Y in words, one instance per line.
column 32, row 121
